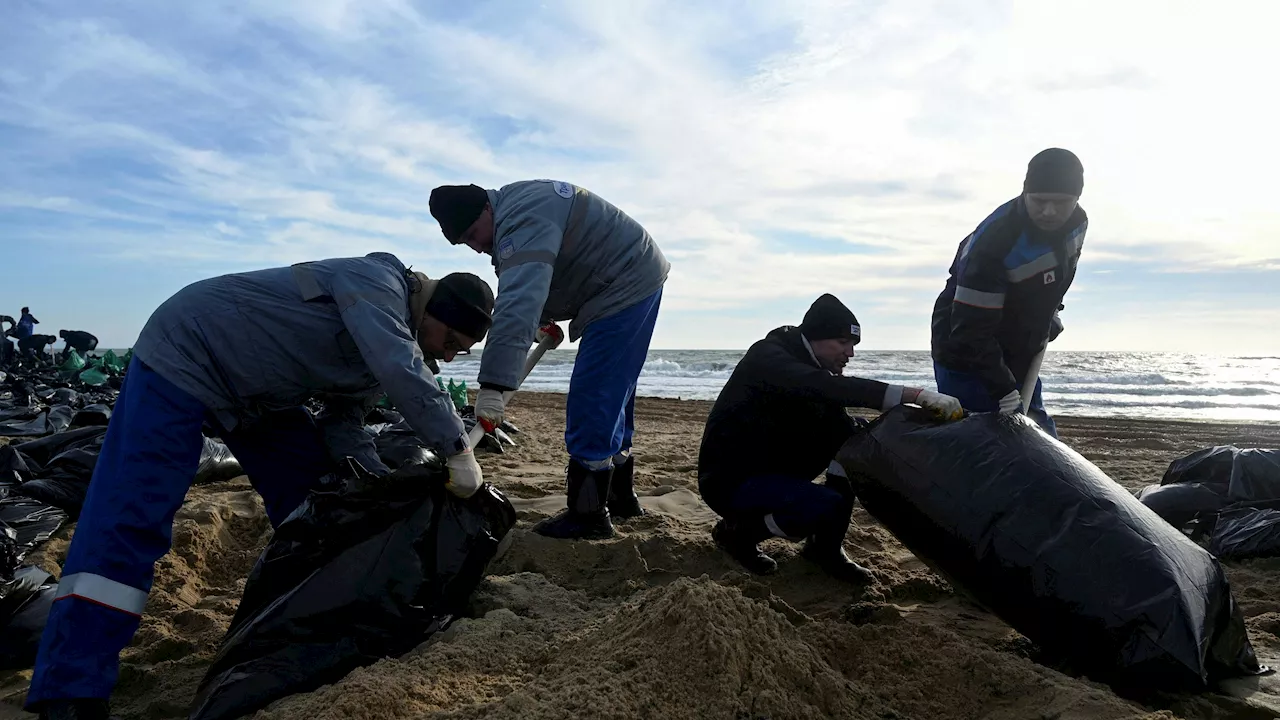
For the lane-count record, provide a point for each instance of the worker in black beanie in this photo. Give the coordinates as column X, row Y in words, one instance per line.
column 777, row 424
column 999, row 309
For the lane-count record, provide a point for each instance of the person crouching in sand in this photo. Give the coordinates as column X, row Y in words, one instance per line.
column 778, row 422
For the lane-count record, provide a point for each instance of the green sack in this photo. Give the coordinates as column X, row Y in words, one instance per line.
column 112, row 362
column 73, row 363
column 93, row 376
column 128, row 358
column 383, row 402
column 440, row 382
column 458, row 391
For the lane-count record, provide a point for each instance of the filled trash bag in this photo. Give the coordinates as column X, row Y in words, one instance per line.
column 217, row 464
column 1053, row 546
column 1247, row 532
column 366, row 570
column 94, row 376
column 24, row 607
column 73, row 363
column 113, row 362
column 59, row 418
column 1180, row 504
column 41, row 451
column 1237, row 473
column 31, row 521
column 95, row 414
column 34, row 427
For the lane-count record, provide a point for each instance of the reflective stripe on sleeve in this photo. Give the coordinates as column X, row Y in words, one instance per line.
column 978, row 298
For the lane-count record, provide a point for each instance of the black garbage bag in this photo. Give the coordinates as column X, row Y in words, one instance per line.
column 217, row 464
column 63, row 482
column 59, row 418
column 65, row 396
column 1053, row 546
column 91, row 415
column 41, row 451
column 400, row 447
column 358, row 573
column 24, row 607
column 1237, row 473
column 34, row 427
column 1247, row 532
column 31, row 521
column 1182, row 503
column 13, row 467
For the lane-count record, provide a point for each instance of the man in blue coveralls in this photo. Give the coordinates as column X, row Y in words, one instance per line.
column 1000, row 306
column 244, row 352
column 563, row 253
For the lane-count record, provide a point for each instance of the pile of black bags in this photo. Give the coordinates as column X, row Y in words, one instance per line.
column 1225, row 496
column 1054, row 547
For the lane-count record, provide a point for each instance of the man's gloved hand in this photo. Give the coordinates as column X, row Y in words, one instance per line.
column 490, row 407
column 945, row 406
column 465, row 475
column 550, row 330
column 1055, row 327
column 1011, row 404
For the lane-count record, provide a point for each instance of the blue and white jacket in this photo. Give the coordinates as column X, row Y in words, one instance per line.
column 1000, row 305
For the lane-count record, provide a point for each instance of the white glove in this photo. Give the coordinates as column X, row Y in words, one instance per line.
column 1011, row 404
column 465, row 475
column 490, row 406
column 947, row 407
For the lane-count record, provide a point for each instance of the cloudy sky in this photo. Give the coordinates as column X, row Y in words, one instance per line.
column 776, row 150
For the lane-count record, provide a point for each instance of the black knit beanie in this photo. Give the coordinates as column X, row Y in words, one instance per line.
column 464, row 302
column 828, row 319
column 455, row 207
column 1054, row 171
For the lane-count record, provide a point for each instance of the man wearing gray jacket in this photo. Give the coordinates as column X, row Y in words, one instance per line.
column 562, row 253
column 243, row 353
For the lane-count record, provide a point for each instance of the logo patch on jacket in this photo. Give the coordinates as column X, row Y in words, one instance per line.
column 563, row 189
column 1050, row 277
column 505, row 249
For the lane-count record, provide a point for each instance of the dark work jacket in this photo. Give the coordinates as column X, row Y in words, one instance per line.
column 780, row 413
column 1007, row 282
column 81, row 341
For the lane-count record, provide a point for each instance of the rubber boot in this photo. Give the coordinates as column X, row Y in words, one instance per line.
column 741, row 539
column 623, row 502
column 587, row 515
column 826, row 547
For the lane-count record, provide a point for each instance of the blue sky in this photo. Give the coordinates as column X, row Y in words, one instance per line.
column 775, row 150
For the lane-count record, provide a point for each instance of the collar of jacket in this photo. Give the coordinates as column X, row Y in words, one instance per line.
column 418, row 299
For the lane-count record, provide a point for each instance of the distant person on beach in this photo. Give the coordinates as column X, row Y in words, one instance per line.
column 34, row 346
column 78, row 340
column 1000, row 306
column 26, row 325
column 562, row 253
column 777, row 424
column 243, row 353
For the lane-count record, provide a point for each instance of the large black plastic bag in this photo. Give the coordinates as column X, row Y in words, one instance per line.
column 31, row 522
column 24, row 608
column 359, row 573
column 1180, row 504
column 1244, row 532
column 1237, row 473
column 1053, row 546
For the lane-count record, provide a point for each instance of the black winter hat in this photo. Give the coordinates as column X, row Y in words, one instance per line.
column 1054, row 171
column 464, row 302
column 828, row 319
column 455, row 207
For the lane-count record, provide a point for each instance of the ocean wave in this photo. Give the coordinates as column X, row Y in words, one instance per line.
column 1162, row 390
column 1103, row 402
column 670, row 368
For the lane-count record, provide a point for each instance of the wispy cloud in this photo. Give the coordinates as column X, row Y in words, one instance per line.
column 774, row 150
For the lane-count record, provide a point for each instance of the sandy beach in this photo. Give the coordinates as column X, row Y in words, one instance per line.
column 658, row 623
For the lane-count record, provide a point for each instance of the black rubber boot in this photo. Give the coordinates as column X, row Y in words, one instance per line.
column 623, row 502
column 82, row 709
column 587, row 515
column 826, row 546
column 741, row 539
